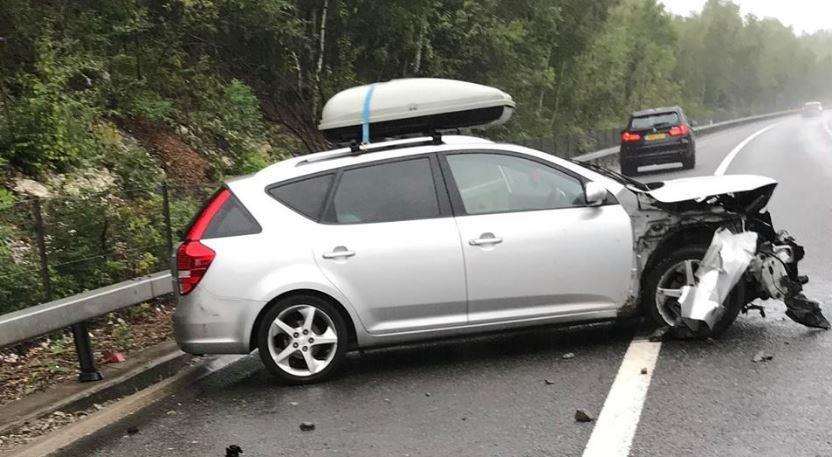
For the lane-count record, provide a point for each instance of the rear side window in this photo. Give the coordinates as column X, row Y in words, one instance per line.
column 232, row 219
column 386, row 192
column 306, row 197
column 654, row 120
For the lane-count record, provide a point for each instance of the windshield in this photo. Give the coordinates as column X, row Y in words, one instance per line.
column 614, row 175
column 653, row 121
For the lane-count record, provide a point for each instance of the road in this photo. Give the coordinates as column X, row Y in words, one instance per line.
column 514, row 394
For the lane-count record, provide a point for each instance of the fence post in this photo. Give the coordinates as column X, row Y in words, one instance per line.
column 40, row 234
column 168, row 226
column 80, row 334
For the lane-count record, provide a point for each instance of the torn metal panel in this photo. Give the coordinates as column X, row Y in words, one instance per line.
column 724, row 263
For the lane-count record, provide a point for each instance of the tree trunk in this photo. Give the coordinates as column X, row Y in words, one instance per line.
column 420, row 44
column 319, row 65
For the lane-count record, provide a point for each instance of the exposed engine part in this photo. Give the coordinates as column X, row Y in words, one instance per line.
column 770, row 270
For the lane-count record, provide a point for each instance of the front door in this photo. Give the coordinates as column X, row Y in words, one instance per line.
column 533, row 248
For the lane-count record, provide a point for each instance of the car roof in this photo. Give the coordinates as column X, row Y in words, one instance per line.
column 667, row 109
column 812, row 103
column 335, row 158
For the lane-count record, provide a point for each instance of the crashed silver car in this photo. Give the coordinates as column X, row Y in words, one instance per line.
column 387, row 241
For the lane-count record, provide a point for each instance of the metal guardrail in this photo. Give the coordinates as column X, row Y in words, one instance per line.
column 75, row 310
column 701, row 129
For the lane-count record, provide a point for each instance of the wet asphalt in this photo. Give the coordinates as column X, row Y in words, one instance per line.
column 515, row 395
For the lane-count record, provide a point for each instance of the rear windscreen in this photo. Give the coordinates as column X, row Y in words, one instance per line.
column 654, row 121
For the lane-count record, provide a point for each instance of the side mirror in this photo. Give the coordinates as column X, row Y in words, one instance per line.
column 595, row 193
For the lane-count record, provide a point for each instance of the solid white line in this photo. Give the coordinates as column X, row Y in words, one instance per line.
column 723, row 166
column 613, row 433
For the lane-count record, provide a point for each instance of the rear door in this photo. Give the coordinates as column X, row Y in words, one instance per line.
column 389, row 243
column 533, row 248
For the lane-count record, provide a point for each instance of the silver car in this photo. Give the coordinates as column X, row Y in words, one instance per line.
column 424, row 238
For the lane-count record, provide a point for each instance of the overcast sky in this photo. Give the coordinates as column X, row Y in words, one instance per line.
column 803, row 15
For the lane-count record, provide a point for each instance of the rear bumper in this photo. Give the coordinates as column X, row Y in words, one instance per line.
column 659, row 156
column 204, row 323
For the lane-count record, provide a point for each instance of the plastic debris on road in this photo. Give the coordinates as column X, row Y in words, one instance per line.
column 724, row 263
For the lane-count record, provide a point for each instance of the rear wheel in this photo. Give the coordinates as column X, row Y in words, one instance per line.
column 663, row 284
column 689, row 162
column 302, row 339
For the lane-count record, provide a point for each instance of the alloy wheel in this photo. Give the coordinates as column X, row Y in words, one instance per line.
column 670, row 289
column 302, row 340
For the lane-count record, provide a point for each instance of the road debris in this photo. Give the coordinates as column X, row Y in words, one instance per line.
column 761, row 356
column 307, row 426
column 132, row 430
column 293, row 403
column 644, row 371
column 113, row 357
column 582, row 416
column 548, row 382
column 233, row 451
column 568, row 355
column 427, row 394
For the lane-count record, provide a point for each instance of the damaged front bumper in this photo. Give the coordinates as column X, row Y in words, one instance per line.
column 768, row 269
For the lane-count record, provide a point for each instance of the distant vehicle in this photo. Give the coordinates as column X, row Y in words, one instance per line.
column 812, row 109
column 657, row 136
column 391, row 241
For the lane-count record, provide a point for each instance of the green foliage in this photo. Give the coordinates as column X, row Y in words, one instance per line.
column 46, row 126
column 101, row 100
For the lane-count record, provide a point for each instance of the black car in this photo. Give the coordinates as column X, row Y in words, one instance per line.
column 657, row 136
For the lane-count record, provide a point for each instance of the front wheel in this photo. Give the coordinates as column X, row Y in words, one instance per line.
column 302, row 339
column 663, row 287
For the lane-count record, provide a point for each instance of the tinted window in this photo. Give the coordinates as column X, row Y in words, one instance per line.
column 306, row 197
column 387, row 192
column 231, row 220
column 493, row 183
column 654, row 120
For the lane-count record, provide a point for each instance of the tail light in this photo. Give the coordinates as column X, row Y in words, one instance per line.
column 223, row 216
column 629, row 137
column 193, row 258
column 679, row 130
column 192, row 261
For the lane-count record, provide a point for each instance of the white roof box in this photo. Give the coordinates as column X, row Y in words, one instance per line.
column 412, row 106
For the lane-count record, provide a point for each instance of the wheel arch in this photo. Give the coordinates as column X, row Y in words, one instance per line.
column 351, row 329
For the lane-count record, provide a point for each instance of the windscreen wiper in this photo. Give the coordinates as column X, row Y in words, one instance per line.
column 616, row 176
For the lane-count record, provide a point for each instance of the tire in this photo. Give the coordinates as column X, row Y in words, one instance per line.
column 667, row 270
column 690, row 162
column 295, row 367
column 628, row 169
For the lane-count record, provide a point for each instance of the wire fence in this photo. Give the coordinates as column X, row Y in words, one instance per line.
column 54, row 247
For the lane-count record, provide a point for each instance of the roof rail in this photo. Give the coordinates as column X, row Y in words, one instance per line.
column 356, row 149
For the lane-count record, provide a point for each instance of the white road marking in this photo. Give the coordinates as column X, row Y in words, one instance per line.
column 616, row 426
column 723, row 166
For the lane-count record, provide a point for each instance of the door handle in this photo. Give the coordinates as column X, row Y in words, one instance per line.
column 485, row 239
column 339, row 252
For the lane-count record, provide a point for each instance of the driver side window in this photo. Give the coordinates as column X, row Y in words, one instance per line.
column 498, row 183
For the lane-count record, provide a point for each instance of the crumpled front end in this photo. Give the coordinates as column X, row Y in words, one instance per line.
column 745, row 250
